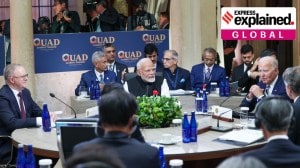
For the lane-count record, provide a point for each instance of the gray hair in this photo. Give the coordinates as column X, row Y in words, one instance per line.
column 97, row 56
column 141, row 62
column 274, row 61
column 9, row 70
column 209, row 50
column 173, row 52
column 275, row 113
column 242, row 162
column 291, row 77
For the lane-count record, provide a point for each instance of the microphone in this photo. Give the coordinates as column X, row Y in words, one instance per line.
column 222, row 128
column 53, row 95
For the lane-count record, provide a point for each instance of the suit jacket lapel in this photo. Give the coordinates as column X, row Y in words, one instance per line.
column 14, row 101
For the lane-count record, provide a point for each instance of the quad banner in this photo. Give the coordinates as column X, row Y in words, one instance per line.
column 73, row 52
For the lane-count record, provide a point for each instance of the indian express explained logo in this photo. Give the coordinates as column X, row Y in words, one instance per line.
column 278, row 23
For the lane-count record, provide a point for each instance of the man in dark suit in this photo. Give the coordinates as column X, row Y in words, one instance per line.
column 177, row 77
column 116, row 113
column 208, row 71
column 164, row 20
column 146, row 82
column 270, row 83
column 64, row 21
column 151, row 52
column 17, row 109
column 103, row 18
column 291, row 77
column 239, row 71
column 273, row 116
column 100, row 75
column 113, row 65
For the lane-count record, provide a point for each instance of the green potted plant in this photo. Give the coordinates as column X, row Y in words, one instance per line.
column 157, row 111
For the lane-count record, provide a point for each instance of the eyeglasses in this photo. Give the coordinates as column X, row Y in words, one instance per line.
column 166, row 59
column 23, row 76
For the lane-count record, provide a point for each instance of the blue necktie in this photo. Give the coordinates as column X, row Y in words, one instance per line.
column 267, row 90
column 207, row 74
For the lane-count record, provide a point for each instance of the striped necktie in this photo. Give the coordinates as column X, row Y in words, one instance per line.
column 267, row 90
column 22, row 108
column 207, row 74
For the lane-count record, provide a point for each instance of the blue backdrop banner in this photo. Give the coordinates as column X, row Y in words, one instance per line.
column 2, row 54
column 73, row 52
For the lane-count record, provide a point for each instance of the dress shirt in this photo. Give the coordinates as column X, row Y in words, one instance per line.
column 98, row 75
column 278, row 137
column 296, row 99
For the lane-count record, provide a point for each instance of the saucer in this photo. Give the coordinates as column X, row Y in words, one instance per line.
column 167, row 142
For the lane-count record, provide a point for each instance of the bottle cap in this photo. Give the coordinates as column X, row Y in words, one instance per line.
column 213, row 83
column 20, row 145
column 176, row 162
column 45, row 162
column 185, row 113
column 244, row 108
column 176, row 121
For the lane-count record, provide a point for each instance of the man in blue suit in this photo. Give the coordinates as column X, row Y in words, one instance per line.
column 17, row 109
column 208, row 71
column 177, row 77
column 291, row 77
column 270, row 83
column 98, row 75
column 273, row 116
column 113, row 65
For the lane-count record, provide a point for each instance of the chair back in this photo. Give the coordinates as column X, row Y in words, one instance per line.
column 71, row 132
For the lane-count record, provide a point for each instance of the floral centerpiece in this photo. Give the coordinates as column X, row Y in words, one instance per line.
column 158, row 111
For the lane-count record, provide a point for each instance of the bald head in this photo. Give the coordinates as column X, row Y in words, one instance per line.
column 268, row 68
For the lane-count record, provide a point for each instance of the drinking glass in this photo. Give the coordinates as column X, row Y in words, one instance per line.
column 83, row 92
column 244, row 117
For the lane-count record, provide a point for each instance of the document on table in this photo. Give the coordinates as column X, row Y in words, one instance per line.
column 181, row 92
column 242, row 136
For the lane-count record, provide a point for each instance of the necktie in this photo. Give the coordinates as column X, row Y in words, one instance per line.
column 267, row 90
column 207, row 74
column 111, row 67
column 101, row 78
column 22, row 108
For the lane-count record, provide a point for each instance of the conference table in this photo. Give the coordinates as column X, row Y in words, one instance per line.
column 206, row 152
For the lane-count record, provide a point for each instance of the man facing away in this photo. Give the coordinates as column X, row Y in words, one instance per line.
column 177, row 77
column 291, row 77
column 118, row 68
column 99, row 74
column 270, row 83
column 117, row 114
column 273, row 116
column 146, row 83
column 17, row 108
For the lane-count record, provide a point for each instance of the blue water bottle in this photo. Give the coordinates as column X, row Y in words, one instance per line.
column 193, row 128
column 227, row 87
column 185, row 129
column 97, row 91
column 30, row 159
column 204, row 101
column 162, row 157
column 21, row 157
column 46, row 118
column 222, row 88
column 92, row 90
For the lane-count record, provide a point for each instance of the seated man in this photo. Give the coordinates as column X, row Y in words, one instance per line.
column 64, row 21
column 146, row 83
column 17, row 109
column 113, row 65
column 208, row 71
column 99, row 74
column 116, row 113
column 177, row 77
column 151, row 52
column 273, row 116
column 271, row 83
column 291, row 77
column 244, row 82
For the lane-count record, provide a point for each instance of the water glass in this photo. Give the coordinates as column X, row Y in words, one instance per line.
column 244, row 116
column 213, row 87
column 83, row 92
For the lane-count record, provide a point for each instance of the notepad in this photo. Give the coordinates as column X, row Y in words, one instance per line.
column 242, row 136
